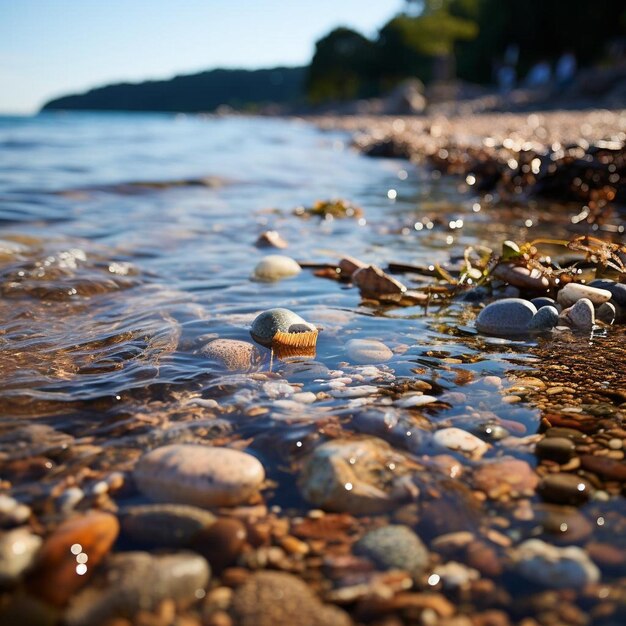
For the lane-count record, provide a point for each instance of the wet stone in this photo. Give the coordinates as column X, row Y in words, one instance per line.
column 564, row 488
column 506, row 477
column 461, row 441
column 565, row 524
column 545, row 318
column 276, row 267
column 553, row 567
column 606, row 313
column 394, row 547
column 509, row 316
column 135, row 581
column 270, row 239
column 573, row 292
column 221, row 543
column 367, row 351
column 199, row 475
column 281, row 599
column 607, row 468
column 267, row 324
column 232, row 354
column 56, row 576
column 18, row 548
column 617, row 290
column 580, row 316
column 166, row 525
column 559, row 449
column 489, row 431
column 356, row 476
column 12, row 513
column 543, row 301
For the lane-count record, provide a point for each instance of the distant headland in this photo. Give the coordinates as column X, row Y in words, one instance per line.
column 203, row 92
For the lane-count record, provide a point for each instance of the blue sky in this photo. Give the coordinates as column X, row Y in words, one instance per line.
column 53, row 47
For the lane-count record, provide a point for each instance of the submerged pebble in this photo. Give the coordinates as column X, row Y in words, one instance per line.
column 394, row 547
column 553, row 567
column 199, row 475
column 509, row 316
column 276, row 267
column 367, row 351
column 232, row 354
column 18, row 548
column 461, row 441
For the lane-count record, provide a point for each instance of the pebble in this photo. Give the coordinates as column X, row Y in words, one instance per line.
column 12, row 513
column 545, row 318
column 506, row 477
column 139, row 581
column 461, row 441
column 606, row 313
column 367, row 351
column 553, row 567
column 18, row 548
column 58, row 574
column 357, row 476
column 522, row 277
column 414, row 400
column 455, row 575
column 268, row 323
column 565, row 524
column 276, row 267
column 573, row 292
column 617, row 290
column 348, row 265
column 199, row 475
column 559, row 449
column 581, row 316
column 373, row 282
column 221, row 543
column 281, row 599
column 543, row 301
column 165, row 525
column 564, row 488
column 394, row 547
column 360, row 391
column 232, row 354
column 609, row 469
column 488, row 431
column 271, row 239
column 509, row 316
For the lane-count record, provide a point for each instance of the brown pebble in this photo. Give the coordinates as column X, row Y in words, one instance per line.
column 222, row 543
column 55, row 576
column 606, row 467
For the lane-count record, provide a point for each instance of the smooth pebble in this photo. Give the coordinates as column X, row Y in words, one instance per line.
column 509, row 316
column 367, row 351
column 276, row 267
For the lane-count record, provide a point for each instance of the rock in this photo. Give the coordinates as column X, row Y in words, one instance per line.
column 221, row 543
column 559, row 449
column 367, row 351
column 573, row 292
column 461, row 441
column 276, row 267
column 564, row 489
column 374, row 283
column 394, row 547
column 199, row 475
column 139, row 581
column 552, row 567
column 606, row 313
column 354, row 476
column 270, row 239
column 454, row 575
column 348, row 265
column 412, row 400
column 618, row 290
column 18, row 548
column 546, row 318
column 564, row 524
column 609, row 469
column 165, row 525
column 489, row 431
column 580, row 316
column 281, row 599
column 12, row 513
column 61, row 567
column 521, row 277
column 543, row 301
column 509, row 316
column 232, row 354
column 281, row 322
column 506, row 477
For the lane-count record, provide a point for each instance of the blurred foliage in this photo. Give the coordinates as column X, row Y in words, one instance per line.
column 472, row 34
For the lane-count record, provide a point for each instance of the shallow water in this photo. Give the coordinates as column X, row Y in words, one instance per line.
column 128, row 242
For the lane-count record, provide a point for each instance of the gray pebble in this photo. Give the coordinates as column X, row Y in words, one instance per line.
column 606, row 313
column 581, row 316
column 509, row 316
column 543, row 301
column 546, row 318
column 394, row 547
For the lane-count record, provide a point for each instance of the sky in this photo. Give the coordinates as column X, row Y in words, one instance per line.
column 50, row 48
